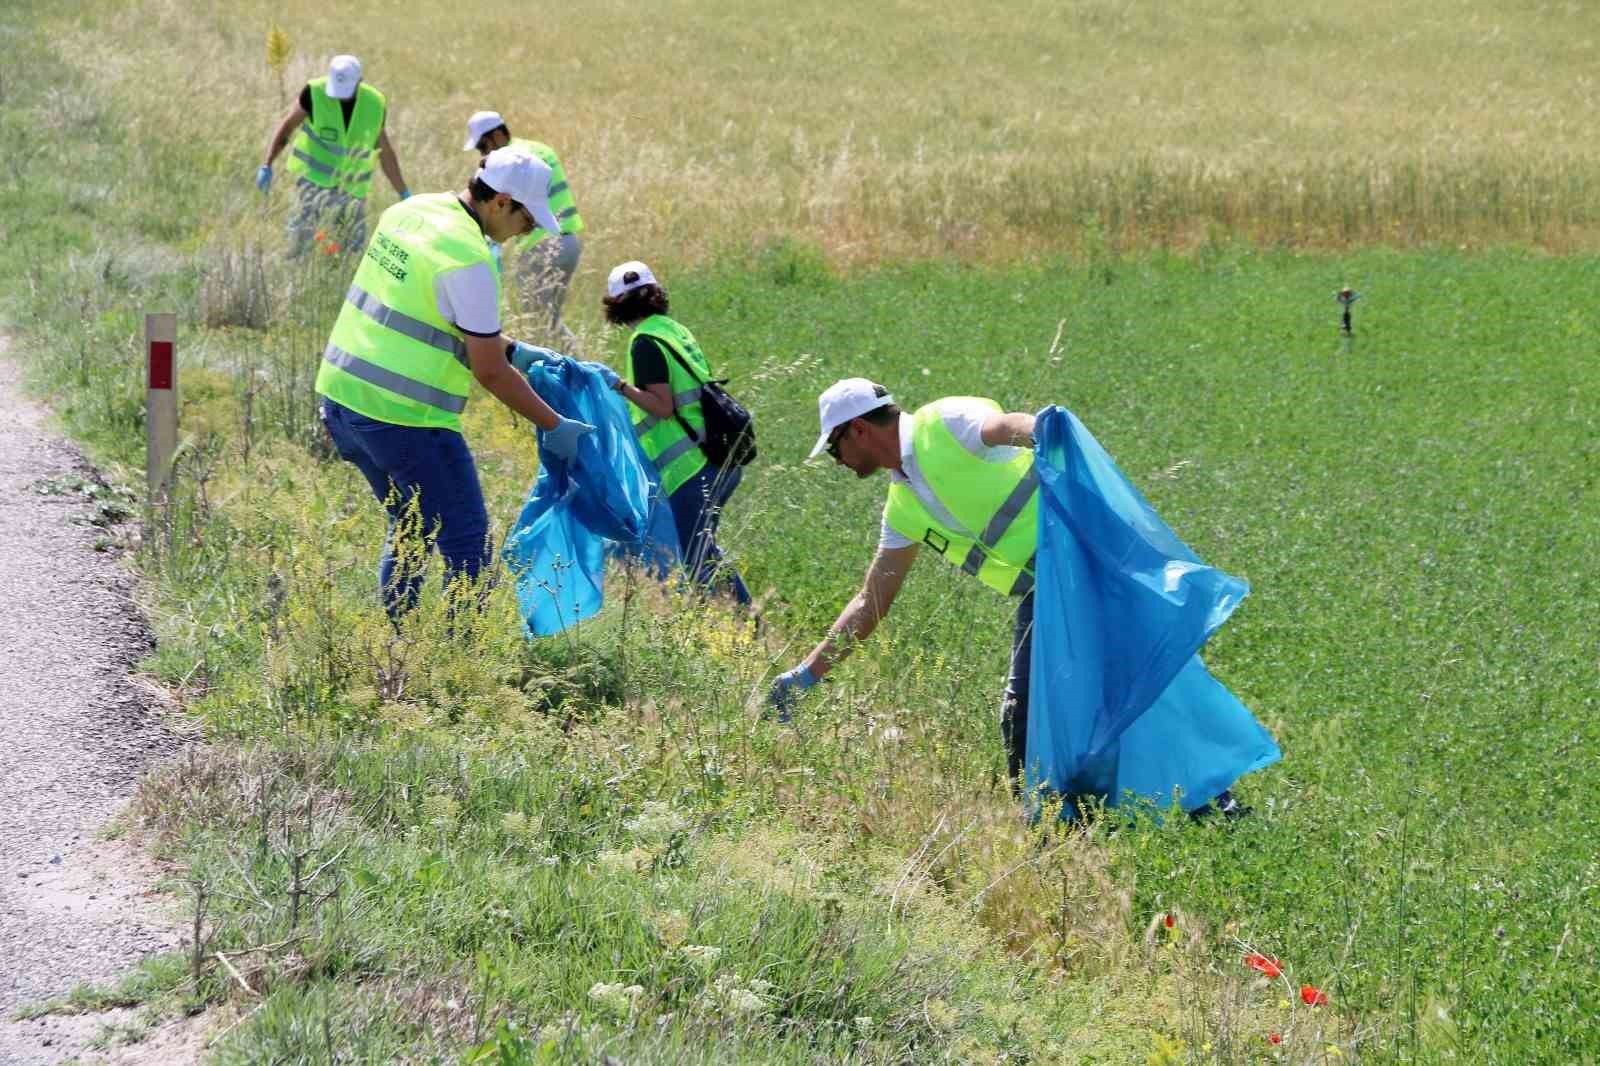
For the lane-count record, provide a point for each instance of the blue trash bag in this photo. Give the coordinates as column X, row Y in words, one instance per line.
column 610, row 492
column 1121, row 704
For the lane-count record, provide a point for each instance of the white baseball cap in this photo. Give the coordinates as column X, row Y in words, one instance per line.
column 344, row 74
column 524, row 178
column 625, row 277
column 842, row 401
column 480, row 123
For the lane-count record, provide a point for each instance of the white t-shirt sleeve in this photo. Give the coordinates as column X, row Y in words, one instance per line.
column 965, row 421
column 888, row 538
column 470, row 297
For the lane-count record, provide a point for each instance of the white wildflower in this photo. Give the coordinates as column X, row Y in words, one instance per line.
column 702, row 953
column 617, row 997
column 657, row 821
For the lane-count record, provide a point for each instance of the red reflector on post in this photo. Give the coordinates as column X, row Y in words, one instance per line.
column 161, row 364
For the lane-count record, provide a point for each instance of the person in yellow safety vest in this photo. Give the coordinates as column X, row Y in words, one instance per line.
column 666, row 370
column 338, row 129
column 545, row 260
column 420, row 324
column 961, row 481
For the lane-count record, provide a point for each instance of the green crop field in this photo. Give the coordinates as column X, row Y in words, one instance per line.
column 447, row 843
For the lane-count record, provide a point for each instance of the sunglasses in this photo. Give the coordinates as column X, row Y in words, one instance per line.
column 834, row 439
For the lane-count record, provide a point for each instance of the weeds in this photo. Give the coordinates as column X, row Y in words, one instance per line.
column 440, row 839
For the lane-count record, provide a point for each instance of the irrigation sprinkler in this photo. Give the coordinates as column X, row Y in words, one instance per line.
column 1346, row 296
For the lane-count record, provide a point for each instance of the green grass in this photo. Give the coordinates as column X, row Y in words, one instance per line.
column 417, row 844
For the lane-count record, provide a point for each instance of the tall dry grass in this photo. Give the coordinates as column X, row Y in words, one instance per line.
column 990, row 132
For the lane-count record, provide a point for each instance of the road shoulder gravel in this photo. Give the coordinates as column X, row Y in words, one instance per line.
column 77, row 903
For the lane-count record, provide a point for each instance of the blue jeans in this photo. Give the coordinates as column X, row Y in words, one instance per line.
column 428, row 483
column 696, row 511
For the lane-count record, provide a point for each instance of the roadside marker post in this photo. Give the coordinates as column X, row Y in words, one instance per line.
column 160, row 404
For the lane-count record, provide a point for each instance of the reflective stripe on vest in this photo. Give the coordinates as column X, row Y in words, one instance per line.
column 329, row 153
column 1008, row 513
column 393, row 356
column 386, row 316
column 320, row 168
column 683, row 447
column 331, row 147
column 679, row 399
column 675, row 452
column 373, row 374
column 970, row 488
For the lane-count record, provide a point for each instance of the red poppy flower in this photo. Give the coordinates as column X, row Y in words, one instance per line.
column 1313, row 997
column 1274, row 1038
column 331, row 248
column 1169, row 921
column 321, row 236
column 1265, row 963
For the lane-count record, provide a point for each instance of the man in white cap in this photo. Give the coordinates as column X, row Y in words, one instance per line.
column 957, row 465
column 338, row 127
column 544, row 260
column 420, row 323
column 961, row 481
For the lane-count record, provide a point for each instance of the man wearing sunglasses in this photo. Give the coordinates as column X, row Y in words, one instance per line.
column 420, row 324
column 962, row 482
column 957, row 464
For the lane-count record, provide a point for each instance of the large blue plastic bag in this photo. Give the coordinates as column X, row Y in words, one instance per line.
column 610, row 492
column 1120, row 701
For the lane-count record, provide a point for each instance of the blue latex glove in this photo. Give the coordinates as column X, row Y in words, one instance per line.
column 562, row 442
column 263, row 177
column 607, row 375
column 788, row 688
column 405, row 194
column 525, row 356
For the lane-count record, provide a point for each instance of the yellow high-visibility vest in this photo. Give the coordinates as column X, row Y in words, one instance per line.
column 999, row 502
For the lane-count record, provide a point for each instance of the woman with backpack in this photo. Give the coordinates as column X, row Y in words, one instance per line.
column 666, row 374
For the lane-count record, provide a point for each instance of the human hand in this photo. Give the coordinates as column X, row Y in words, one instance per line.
column 788, row 688
column 526, row 356
column 263, row 177
column 609, row 376
column 562, row 441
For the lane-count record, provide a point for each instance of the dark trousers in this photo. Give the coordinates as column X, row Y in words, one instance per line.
column 1014, row 701
column 421, row 476
column 696, row 511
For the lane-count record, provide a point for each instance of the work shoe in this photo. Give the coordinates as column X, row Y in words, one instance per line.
column 1226, row 805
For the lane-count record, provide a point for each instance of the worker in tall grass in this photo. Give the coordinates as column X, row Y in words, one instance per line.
column 338, row 128
column 544, row 261
column 961, row 481
column 666, row 369
column 420, row 323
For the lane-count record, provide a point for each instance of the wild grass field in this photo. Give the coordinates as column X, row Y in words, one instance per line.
column 434, row 847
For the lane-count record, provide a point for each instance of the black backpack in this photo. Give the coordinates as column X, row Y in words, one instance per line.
column 730, row 435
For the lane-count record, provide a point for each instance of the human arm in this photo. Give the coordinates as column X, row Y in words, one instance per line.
column 280, row 136
column 854, row 624
column 655, row 399
column 1010, row 428
column 653, row 394
column 391, row 164
column 863, row 613
column 487, row 358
